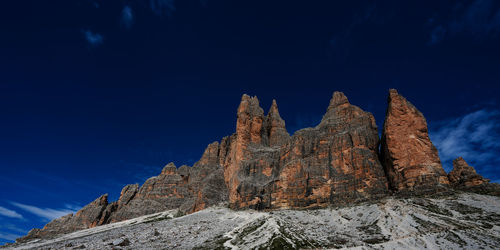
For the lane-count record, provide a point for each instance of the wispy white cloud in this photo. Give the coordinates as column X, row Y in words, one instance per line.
column 10, row 213
column 44, row 213
column 12, row 228
column 92, row 38
column 72, row 207
column 474, row 136
column 127, row 17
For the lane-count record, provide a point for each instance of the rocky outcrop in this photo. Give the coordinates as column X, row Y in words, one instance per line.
column 410, row 159
column 261, row 166
column 188, row 189
column 88, row 217
column 464, row 175
column 158, row 193
column 127, row 194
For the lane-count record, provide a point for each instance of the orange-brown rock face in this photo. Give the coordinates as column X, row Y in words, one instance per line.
column 464, row 175
column 335, row 162
column 251, row 155
column 410, row 159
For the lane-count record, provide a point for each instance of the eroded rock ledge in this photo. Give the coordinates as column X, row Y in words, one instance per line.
column 261, row 166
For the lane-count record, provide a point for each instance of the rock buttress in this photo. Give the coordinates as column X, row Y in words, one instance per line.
column 410, row 159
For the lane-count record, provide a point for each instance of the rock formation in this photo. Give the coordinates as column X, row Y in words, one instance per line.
column 261, row 166
column 250, row 159
column 464, row 175
column 188, row 189
column 89, row 216
column 410, row 159
column 275, row 127
column 334, row 163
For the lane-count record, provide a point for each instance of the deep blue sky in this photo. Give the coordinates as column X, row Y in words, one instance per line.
column 97, row 94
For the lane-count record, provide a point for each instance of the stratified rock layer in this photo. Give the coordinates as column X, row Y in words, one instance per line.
column 410, row 159
column 464, row 175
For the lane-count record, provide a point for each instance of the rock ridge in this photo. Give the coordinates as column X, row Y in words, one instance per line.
column 262, row 166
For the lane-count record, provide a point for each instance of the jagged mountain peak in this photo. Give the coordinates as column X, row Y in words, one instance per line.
column 338, row 99
column 261, row 167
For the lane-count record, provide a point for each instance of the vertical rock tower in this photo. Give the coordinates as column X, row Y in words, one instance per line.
column 410, row 159
column 252, row 158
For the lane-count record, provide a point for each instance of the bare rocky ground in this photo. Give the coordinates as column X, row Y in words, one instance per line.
column 459, row 221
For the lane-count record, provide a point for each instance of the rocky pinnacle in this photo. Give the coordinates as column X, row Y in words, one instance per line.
column 410, row 159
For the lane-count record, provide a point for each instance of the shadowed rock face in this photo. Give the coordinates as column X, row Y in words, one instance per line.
column 410, row 159
column 261, row 166
column 464, row 175
column 188, row 188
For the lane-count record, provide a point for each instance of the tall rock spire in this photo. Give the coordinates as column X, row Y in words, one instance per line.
column 275, row 127
column 250, row 130
column 249, row 126
column 410, row 159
